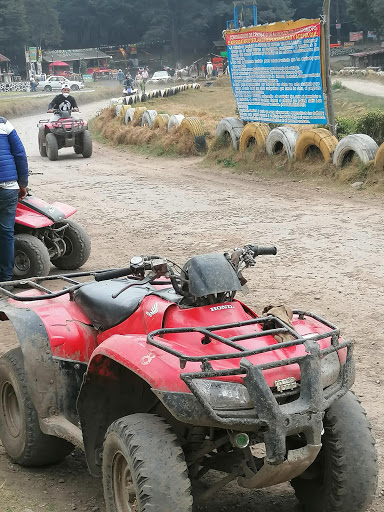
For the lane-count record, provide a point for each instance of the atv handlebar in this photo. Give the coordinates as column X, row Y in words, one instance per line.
column 113, row 274
column 262, row 251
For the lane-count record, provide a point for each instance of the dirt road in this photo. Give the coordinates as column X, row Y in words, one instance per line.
column 330, row 260
column 369, row 88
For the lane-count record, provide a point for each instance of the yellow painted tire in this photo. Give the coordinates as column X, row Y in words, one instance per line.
column 123, row 110
column 254, row 133
column 160, row 121
column 195, row 128
column 319, row 137
column 379, row 158
column 139, row 111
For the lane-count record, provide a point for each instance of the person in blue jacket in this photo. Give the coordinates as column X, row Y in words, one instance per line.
column 13, row 186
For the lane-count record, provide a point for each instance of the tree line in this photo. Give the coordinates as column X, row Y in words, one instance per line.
column 185, row 26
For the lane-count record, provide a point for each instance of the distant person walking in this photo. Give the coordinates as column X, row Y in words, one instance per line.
column 120, row 76
column 209, row 69
column 33, row 84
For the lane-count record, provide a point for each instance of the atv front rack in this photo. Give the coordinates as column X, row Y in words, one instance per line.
column 301, row 410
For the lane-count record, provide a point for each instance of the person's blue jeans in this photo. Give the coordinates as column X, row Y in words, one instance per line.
column 8, row 204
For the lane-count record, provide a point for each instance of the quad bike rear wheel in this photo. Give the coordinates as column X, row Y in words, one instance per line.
column 20, row 431
column 31, row 257
column 52, row 147
column 343, row 477
column 144, row 467
column 41, row 141
column 78, row 246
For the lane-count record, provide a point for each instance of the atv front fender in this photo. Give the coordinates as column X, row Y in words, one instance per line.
column 160, row 370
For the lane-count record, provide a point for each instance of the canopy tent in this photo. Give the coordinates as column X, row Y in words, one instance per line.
column 58, row 64
column 3, row 58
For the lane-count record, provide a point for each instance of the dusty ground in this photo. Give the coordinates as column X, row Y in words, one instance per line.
column 330, row 261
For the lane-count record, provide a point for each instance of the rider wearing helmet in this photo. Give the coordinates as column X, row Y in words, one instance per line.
column 64, row 101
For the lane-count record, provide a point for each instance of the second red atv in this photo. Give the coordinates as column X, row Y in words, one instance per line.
column 163, row 376
column 45, row 235
column 62, row 132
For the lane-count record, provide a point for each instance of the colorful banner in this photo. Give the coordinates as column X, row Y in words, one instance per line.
column 356, row 36
column 276, row 72
column 32, row 53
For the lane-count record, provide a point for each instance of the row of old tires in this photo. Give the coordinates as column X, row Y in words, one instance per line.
column 297, row 143
column 159, row 93
column 140, row 116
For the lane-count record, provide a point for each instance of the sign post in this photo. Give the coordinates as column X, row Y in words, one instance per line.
column 327, row 67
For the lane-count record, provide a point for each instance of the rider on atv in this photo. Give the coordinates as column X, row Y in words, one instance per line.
column 64, row 101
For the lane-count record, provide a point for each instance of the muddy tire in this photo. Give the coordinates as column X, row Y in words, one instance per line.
column 41, row 142
column 359, row 144
column 78, row 246
column 175, row 121
column 52, row 147
column 87, row 145
column 343, row 478
column 194, row 126
column 144, row 467
column 230, row 129
column 161, row 121
column 31, row 257
column 319, row 138
column 148, row 118
column 20, row 432
column 282, row 139
column 254, row 134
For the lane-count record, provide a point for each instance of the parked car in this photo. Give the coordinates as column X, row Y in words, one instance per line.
column 55, row 83
column 160, row 76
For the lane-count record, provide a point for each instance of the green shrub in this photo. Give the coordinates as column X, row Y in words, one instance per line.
column 372, row 124
column 337, row 85
column 345, row 126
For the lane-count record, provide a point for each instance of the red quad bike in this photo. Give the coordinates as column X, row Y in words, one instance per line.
column 45, row 235
column 64, row 132
column 163, row 375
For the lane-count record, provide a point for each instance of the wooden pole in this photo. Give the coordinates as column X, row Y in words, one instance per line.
column 327, row 67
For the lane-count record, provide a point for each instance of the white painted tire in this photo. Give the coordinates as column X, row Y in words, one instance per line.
column 282, row 138
column 148, row 118
column 359, row 144
column 175, row 121
column 230, row 127
column 129, row 115
column 118, row 108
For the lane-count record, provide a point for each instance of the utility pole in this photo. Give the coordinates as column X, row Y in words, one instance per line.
column 338, row 24
column 327, row 66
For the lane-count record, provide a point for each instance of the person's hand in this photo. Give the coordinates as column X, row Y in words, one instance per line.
column 75, row 109
column 49, row 111
column 22, row 192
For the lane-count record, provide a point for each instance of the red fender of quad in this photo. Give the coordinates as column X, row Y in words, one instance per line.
column 26, row 216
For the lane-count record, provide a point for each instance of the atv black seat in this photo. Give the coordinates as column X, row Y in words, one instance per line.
column 105, row 312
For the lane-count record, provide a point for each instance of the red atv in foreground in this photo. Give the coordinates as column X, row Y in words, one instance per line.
column 44, row 235
column 163, row 376
column 63, row 132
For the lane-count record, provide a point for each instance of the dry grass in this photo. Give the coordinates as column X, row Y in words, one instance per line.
column 160, row 142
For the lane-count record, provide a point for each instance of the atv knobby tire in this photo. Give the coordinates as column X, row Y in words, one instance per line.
column 343, row 477
column 78, row 246
column 144, row 467
column 31, row 257
column 86, row 149
column 20, row 431
column 52, row 146
column 41, row 141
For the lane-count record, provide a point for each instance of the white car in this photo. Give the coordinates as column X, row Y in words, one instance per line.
column 160, row 76
column 55, row 83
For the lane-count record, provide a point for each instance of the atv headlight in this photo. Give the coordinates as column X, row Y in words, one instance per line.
column 224, row 395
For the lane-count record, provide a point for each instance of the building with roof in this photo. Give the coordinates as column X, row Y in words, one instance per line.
column 371, row 59
column 93, row 58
